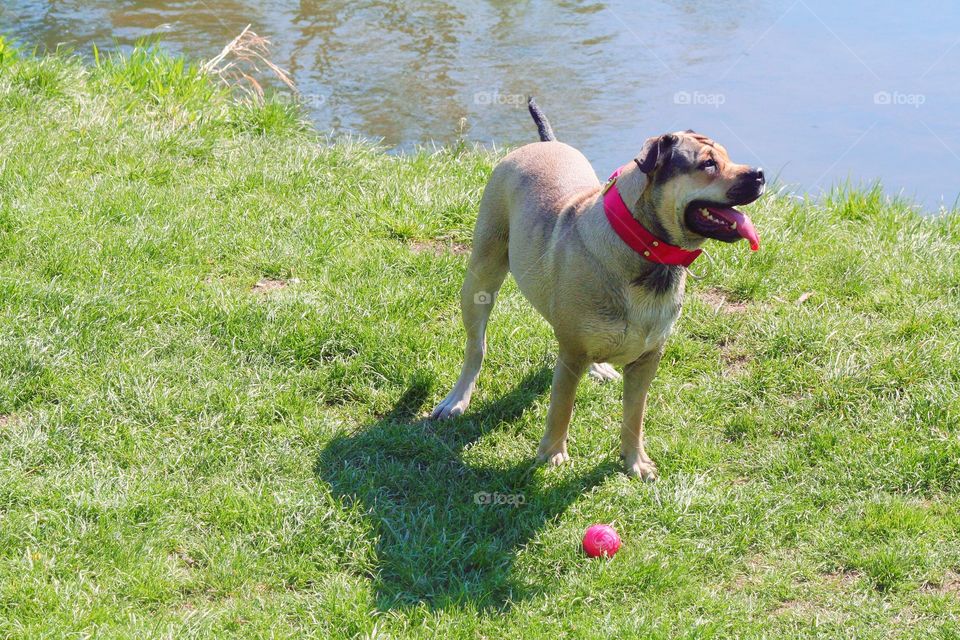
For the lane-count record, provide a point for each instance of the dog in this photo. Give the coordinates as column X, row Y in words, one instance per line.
column 604, row 264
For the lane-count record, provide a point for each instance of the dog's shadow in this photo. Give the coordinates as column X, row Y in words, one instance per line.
column 443, row 537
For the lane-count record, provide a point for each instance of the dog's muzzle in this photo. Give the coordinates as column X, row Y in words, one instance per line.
column 748, row 188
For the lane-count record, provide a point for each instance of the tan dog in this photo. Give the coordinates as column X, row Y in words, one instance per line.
column 543, row 218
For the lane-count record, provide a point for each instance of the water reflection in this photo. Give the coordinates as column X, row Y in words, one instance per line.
column 786, row 84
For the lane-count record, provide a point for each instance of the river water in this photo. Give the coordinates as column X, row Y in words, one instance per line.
column 818, row 92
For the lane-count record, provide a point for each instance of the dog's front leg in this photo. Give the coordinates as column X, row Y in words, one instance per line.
column 637, row 377
column 566, row 376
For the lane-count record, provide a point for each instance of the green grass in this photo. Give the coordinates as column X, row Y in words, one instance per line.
column 184, row 453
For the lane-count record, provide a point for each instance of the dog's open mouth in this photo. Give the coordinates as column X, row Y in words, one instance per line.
column 721, row 222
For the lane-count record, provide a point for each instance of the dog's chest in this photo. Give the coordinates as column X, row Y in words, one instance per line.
column 644, row 323
column 649, row 323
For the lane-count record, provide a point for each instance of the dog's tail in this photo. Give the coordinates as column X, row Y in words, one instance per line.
column 543, row 125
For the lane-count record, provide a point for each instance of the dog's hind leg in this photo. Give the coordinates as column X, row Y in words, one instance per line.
column 488, row 267
column 603, row 372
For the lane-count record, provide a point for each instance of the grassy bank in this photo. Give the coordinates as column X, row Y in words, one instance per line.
column 219, row 332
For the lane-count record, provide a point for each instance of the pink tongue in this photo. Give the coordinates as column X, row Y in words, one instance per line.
column 744, row 225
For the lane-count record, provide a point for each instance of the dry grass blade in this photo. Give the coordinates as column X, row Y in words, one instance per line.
column 239, row 61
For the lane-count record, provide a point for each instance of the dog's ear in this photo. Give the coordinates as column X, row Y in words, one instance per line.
column 654, row 151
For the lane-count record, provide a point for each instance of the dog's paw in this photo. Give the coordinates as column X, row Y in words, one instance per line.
column 553, row 459
column 603, row 372
column 451, row 407
column 641, row 467
column 551, row 454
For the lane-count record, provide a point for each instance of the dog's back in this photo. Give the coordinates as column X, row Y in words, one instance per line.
column 539, row 177
column 532, row 195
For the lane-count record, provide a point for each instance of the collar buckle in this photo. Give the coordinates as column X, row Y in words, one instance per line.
column 612, row 181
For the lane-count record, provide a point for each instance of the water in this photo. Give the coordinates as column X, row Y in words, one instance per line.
column 816, row 91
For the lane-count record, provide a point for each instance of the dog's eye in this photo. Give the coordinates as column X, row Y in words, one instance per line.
column 709, row 165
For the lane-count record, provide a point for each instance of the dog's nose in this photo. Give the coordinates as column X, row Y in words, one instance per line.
column 750, row 186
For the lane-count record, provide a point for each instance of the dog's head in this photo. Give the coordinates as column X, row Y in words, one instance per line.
column 693, row 187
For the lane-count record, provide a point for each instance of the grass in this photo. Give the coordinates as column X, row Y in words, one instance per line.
column 219, row 331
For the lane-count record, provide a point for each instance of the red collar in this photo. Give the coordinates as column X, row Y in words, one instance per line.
column 636, row 235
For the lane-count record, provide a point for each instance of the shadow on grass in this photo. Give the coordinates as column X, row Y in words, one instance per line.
column 437, row 545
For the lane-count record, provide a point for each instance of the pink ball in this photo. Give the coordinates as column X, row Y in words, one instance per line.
column 600, row 540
